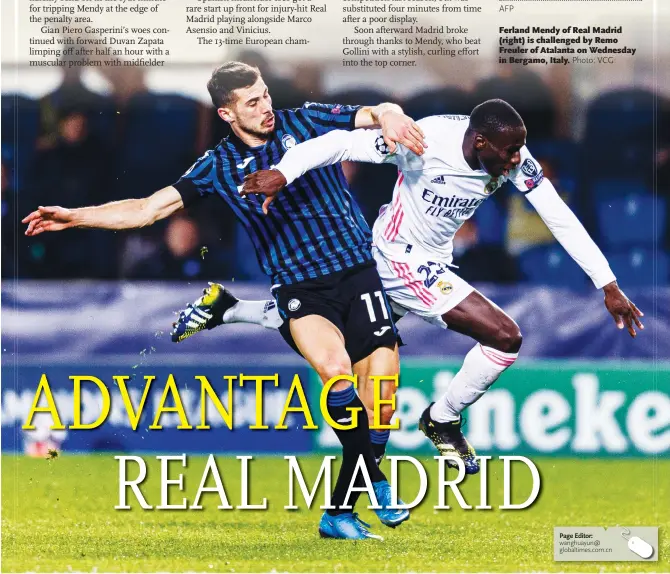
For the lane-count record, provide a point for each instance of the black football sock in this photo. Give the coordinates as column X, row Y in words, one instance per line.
column 355, row 442
column 379, row 438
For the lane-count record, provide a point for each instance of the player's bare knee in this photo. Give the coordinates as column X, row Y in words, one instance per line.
column 331, row 367
column 508, row 338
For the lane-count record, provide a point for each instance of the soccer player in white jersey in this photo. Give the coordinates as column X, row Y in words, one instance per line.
column 467, row 158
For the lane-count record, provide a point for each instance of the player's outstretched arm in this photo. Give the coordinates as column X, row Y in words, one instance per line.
column 125, row 214
column 331, row 148
column 334, row 147
column 570, row 233
column 395, row 125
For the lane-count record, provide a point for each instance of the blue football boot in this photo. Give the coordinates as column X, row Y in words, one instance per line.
column 388, row 516
column 449, row 439
column 348, row 526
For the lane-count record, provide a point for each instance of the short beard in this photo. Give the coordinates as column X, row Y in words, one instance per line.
column 256, row 132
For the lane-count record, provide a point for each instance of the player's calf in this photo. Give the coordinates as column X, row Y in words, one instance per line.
column 384, row 362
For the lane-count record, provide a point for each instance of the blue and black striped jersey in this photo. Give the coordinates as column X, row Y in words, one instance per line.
column 314, row 227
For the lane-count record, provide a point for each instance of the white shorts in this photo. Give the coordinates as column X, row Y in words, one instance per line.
column 420, row 285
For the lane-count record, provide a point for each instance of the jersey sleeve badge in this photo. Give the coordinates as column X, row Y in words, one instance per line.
column 533, row 174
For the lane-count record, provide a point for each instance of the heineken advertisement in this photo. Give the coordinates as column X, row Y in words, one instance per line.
column 544, row 408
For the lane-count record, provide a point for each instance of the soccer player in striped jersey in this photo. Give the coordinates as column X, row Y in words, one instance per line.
column 466, row 160
column 314, row 245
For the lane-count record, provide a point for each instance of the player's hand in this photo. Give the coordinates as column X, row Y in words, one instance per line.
column 268, row 182
column 53, row 218
column 399, row 128
column 622, row 309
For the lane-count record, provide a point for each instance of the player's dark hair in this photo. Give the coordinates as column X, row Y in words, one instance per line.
column 494, row 116
column 229, row 77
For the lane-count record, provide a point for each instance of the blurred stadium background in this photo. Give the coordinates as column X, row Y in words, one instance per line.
column 582, row 398
column 102, row 303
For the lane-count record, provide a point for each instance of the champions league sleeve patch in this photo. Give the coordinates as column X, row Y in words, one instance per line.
column 532, row 173
column 381, row 147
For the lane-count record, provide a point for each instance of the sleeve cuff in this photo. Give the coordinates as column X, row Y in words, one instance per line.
column 286, row 172
column 188, row 191
column 602, row 278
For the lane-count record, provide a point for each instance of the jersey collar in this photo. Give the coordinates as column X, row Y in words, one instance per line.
column 236, row 142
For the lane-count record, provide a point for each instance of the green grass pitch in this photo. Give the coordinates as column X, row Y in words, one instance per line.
column 59, row 515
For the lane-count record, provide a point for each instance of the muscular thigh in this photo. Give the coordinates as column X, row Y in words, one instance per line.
column 316, row 337
column 322, row 344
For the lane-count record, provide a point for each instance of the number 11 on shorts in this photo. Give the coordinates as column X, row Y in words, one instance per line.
column 371, row 311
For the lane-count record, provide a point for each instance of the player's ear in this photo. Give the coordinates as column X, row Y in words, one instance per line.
column 226, row 114
column 480, row 142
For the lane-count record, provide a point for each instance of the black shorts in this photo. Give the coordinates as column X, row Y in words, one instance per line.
column 352, row 299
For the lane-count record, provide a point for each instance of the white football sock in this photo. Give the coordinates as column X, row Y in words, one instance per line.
column 481, row 368
column 263, row 313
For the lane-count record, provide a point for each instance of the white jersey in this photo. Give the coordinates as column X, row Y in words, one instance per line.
column 438, row 191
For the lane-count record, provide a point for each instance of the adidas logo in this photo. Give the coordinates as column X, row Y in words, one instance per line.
column 196, row 317
column 439, row 179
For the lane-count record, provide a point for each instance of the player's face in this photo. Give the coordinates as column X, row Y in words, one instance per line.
column 501, row 153
column 251, row 111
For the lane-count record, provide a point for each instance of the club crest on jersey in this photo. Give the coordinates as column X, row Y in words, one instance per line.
column 445, row 287
column 534, row 173
column 491, row 186
column 288, row 141
column 294, row 305
column 439, row 180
